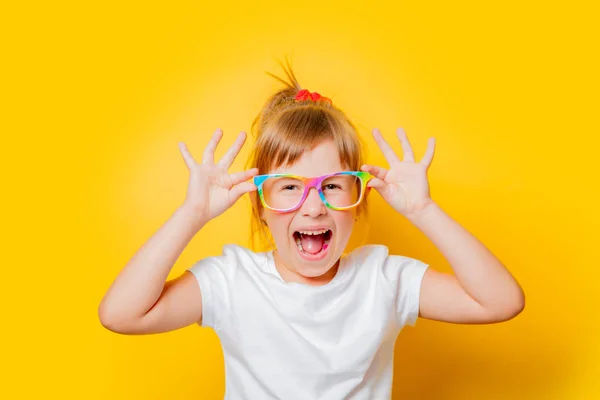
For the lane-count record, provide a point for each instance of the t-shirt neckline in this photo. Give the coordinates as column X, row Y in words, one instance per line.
column 342, row 269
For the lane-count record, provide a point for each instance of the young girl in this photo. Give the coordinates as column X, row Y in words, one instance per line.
column 306, row 321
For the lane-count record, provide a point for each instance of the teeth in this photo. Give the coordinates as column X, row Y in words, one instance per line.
column 299, row 244
column 299, row 241
column 314, row 232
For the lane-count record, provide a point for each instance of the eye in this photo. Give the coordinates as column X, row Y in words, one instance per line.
column 289, row 187
column 331, row 186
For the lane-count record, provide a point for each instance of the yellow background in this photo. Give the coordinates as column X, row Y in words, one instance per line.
column 96, row 97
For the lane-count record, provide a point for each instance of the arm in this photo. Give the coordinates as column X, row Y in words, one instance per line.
column 139, row 301
column 481, row 290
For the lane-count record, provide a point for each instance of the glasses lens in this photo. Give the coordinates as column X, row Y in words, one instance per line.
column 342, row 190
column 282, row 193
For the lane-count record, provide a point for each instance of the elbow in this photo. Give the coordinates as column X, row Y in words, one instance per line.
column 113, row 321
column 515, row 309
column 511, row 308
column 519, row 304
column 107, row 319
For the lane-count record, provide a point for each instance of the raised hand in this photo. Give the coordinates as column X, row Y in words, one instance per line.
column 404, row 185
column 211, row 189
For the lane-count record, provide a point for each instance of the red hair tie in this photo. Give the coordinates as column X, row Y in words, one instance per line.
column 314, row 96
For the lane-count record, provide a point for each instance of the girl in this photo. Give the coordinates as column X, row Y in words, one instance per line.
column 304, row 320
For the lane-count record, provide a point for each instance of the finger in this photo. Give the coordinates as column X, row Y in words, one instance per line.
column 187, row 157
column 377, row 183
column 428, row 157
column 239, row 177
column 239, row 190
column 406, row 147
column 233, row 151
column 376, row 171
column 209, row 153
column 385, row 148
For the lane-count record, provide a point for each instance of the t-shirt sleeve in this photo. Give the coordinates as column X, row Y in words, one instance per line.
column 214, row 276
column 405, row 275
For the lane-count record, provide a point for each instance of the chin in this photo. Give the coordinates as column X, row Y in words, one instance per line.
column 309, row 267
column 320, row 259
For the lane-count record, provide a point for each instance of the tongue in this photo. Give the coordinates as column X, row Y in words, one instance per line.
column 312, row 243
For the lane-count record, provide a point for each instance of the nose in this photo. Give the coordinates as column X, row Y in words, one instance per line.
column 313, row 206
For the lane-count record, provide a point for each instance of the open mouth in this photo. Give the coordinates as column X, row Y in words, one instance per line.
column 313, row 244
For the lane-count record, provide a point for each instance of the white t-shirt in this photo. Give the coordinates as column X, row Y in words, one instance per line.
column 291, row 341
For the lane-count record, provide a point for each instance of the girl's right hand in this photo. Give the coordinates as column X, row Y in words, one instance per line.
column 211, row 189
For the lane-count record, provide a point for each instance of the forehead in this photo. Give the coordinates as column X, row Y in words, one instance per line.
column 321, row 160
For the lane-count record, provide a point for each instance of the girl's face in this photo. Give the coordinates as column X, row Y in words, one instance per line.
column 312, row 261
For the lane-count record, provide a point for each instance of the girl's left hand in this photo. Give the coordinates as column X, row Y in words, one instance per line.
column 404, row 185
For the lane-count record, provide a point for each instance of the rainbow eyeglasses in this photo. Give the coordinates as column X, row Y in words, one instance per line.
column 285, row 192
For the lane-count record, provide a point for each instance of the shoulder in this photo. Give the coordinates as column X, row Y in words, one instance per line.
column 231, row 258
column 377, row 254
column 241, row 254
column 378, row 258
column 367, row 255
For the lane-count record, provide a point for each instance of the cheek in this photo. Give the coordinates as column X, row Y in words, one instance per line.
column 278, row 224
column 344, row 223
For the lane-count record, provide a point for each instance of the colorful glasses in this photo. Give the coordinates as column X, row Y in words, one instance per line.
column 285, row 192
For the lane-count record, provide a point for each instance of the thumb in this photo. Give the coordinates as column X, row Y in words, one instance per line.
column 380, row 186
column 377, row 184
column 240, row 189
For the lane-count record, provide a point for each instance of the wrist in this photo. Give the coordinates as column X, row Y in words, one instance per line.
column 196, row 218
column 423, row 213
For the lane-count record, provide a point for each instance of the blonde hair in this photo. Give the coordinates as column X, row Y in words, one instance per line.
column 285, row 128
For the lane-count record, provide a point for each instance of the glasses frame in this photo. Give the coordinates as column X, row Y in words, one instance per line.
column 309, row 183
